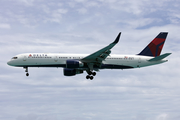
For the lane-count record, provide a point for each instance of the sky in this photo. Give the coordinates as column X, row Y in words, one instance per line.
column 82, row 26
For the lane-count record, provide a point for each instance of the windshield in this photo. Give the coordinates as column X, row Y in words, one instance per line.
column 14, row 57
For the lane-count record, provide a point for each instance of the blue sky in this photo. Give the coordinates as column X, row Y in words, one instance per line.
column 82, row 26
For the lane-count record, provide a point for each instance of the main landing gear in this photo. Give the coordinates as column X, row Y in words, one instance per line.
column 89, row 75
column 27, row 74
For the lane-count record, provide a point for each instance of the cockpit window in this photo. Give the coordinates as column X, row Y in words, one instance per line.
column 14, row 57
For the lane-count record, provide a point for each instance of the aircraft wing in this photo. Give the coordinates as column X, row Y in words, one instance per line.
column 97, row 57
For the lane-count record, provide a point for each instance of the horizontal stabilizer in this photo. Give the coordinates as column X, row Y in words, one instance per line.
column 160, row 57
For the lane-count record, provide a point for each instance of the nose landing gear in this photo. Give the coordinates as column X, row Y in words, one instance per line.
column 27, row 74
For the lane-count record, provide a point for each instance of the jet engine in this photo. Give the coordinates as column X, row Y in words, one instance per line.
column 72, row 72
column 74, row 64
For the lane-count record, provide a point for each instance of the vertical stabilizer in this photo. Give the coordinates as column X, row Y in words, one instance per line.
column 155, row 46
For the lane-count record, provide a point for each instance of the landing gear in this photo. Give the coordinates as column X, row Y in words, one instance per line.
column 94, row 73
column 27, row 74
column 89, row 75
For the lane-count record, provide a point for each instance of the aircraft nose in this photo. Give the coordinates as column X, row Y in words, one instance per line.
column 9, row 63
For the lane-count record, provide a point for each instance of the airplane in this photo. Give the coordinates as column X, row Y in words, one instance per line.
column 74, row 64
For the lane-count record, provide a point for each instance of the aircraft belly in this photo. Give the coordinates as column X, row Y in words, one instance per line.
column 117, row 64
column 114, row 66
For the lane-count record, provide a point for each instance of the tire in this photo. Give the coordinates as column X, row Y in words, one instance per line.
column 27, row 74
column 91, row 77
column 87, row 77
column 94, row 73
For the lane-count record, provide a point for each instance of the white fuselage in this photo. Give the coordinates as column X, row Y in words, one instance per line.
column 59, row 60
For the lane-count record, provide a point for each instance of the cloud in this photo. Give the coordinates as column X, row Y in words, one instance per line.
column 36, row 117
column 26, row 2
column 150, row 93
column 82, row 10
column 56, row 15
column 5, row 26
column 162, row 117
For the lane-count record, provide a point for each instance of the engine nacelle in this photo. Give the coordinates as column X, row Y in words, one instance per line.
column 74, row 64
column 71, row 72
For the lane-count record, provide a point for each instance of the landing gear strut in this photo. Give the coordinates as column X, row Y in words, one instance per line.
column 89, row 75
column 27, row 74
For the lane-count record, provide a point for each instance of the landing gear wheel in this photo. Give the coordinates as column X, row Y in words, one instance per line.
column 94, row 73
column 91, row 77
column 27, row 74
column 87, row 77
column 90, row 73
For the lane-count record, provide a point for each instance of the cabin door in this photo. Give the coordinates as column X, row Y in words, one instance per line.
column 24, row 59
column 55, row 58
column 139, row 60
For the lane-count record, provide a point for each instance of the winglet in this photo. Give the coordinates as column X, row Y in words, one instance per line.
column 117, row 38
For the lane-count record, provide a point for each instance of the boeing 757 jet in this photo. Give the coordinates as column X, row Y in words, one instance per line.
column 74, row 64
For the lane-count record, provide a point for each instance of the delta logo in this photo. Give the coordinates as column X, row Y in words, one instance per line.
column 125, row 57
column 38, row 55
